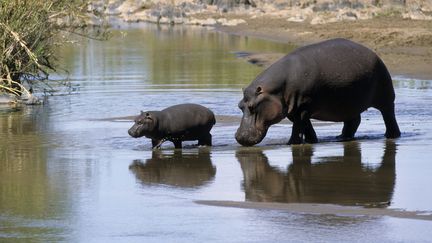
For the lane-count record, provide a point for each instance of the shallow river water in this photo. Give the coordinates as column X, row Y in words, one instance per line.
column 70, row 172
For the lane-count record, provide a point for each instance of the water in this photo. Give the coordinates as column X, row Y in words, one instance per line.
column 70, row 172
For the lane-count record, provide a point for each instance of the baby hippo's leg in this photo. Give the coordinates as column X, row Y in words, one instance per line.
column 205, row 140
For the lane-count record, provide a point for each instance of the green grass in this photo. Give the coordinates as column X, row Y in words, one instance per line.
column 28, row 35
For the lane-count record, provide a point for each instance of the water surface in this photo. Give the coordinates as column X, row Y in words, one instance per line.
column 70, row 172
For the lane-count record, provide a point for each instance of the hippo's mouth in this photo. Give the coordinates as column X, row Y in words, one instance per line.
column 249, row 139
column 134, row 132
column 249, row 134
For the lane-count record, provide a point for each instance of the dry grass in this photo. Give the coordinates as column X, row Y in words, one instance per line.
column 28, row 32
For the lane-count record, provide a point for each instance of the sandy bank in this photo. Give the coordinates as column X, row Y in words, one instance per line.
column 312, row 208
column 404, row 45
column 399, row 31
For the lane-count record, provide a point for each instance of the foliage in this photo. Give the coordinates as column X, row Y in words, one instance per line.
column 28, row 34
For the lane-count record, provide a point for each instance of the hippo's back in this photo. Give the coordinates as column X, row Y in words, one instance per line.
column 188, row 116
column 337, row 62
column 341, row 78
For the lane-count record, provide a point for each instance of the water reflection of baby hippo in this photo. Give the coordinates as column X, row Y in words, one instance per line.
column 336, row 179
column 175, row 169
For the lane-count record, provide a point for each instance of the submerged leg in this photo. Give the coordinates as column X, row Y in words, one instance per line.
column 349, row 129
column 392, row 128
column 177, row 144
column 296, row 133
column 310, row 135
column 206, row 140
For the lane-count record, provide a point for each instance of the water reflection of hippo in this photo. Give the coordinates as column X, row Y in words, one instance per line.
column 338, row 180
column 175, row 169
column 334, row 80
column 184, row 122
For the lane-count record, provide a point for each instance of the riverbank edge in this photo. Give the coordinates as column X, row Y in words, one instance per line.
column 400, row 34
column 402, row 59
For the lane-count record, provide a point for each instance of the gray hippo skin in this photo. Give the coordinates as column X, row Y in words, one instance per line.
column 334, row 80
column 185, row 122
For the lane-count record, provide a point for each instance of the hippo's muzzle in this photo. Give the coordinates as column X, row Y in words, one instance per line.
column 249, row 134
column 134, row 132
column 249, row 138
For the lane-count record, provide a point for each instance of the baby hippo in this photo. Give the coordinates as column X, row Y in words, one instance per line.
column 184, row 122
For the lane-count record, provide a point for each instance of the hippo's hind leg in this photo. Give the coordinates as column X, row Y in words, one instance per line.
column 384, row 102
column 392, row 128
column 349, row 129
column 205, row 140
column 302, row 126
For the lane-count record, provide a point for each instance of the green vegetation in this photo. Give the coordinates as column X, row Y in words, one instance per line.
column 28, row 34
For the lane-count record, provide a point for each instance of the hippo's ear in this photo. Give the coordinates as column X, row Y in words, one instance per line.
column 259, row 90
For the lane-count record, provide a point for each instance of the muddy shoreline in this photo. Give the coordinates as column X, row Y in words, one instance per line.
column 314, row 208
column 404, row 45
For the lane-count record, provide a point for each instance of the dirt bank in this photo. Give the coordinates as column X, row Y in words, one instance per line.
column 322, row 209
column 399, row 31
column 404, row 45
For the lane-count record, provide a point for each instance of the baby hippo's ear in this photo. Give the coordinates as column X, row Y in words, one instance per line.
column 148, row 116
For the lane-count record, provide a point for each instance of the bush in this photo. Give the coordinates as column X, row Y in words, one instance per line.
column 28, row 32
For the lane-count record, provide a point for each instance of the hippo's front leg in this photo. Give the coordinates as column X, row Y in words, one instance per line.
column 302, row 126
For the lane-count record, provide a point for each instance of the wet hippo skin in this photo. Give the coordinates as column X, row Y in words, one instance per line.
column 334, row 80
column 184, row 122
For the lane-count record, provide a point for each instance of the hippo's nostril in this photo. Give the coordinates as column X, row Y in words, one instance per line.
column 131, row 132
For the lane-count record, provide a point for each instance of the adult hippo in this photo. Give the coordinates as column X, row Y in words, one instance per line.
column 334, row 80
column 184, row 122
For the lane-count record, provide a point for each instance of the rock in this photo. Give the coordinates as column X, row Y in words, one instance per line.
column 7, row 98
column 192, row 21
column 208, row 22
column 229, row 5
column 317, row 11
column 222, row 21
column 132, row 6
column 317, row 20
column 164, row 20
column 234, row 22
column 416, row 15
column 297, row 19
column 346, row 15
